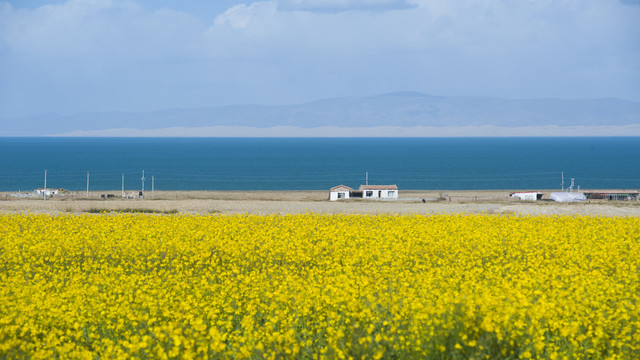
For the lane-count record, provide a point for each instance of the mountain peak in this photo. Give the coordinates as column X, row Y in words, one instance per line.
column 407, row 94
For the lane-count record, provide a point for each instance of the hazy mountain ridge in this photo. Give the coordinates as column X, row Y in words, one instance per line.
column 405, row 109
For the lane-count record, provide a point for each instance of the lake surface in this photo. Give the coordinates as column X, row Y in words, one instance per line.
column 318, row 163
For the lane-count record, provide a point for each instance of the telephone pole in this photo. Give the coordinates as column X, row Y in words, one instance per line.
column 87, row 184
column 562, row 180
column 153, row 182
column 366, row 178
column 143, row 179
column 122, row 185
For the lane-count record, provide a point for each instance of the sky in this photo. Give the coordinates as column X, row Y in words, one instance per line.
column 74, row 56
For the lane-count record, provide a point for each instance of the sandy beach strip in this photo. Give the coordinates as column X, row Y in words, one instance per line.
column 297, row 202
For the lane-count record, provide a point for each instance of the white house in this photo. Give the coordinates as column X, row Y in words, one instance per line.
column 379, row 191
column 339, row 192
column 527, row 195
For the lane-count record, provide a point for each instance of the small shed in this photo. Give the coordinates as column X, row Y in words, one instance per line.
column 339, row 192
column 379, row 191
column 527, row 195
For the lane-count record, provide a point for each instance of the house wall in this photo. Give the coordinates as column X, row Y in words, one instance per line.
column 333, row 195
column 390, row 194
column 380, row 194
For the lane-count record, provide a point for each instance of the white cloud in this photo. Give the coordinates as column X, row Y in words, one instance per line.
column 240, row 16
column 343, row 5
column 94, row 28
column 116, row 55
column 95, row 56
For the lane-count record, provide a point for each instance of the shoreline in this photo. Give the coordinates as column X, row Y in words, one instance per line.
column 316, row 201
column 467, row 131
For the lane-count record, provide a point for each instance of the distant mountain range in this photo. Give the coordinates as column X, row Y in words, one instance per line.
column 403, row 109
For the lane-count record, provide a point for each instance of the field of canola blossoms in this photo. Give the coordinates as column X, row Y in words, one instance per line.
column 319, row 286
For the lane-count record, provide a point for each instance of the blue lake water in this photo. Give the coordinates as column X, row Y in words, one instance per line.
column 318, row 163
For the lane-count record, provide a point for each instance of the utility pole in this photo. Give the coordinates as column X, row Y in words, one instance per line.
column 562, row 180
column 366, row 177
column 143, row 179
column 153, row 181
column 572, row 183
column 122, row 185
column 87, row 184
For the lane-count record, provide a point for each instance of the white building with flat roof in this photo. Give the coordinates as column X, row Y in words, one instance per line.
column 379, row 191
column 527, row 195
column 384, row 192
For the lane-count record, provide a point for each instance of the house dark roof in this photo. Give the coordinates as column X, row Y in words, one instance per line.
column 378, row 187
column 341, row 187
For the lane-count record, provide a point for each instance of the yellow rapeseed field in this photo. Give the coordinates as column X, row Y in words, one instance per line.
column 319, row 286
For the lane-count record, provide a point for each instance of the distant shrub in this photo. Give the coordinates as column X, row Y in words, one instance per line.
column 131, row 211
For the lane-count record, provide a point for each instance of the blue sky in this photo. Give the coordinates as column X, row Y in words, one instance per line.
column 74, row 56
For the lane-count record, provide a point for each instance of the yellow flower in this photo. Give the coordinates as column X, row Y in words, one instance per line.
column 325, row 286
